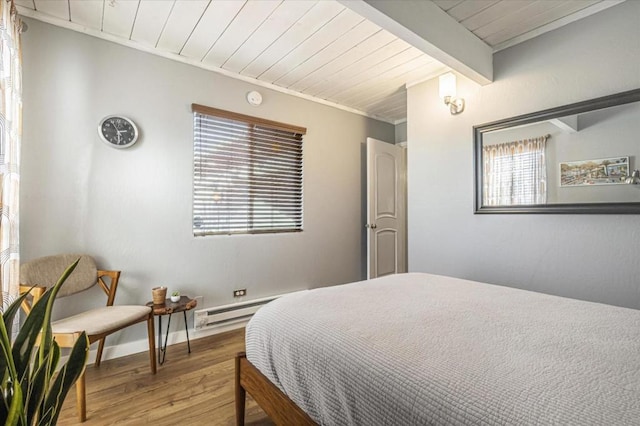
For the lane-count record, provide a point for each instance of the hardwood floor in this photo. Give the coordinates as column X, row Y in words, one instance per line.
column 193, row 389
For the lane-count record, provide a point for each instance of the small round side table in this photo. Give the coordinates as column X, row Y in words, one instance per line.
column 169, row 308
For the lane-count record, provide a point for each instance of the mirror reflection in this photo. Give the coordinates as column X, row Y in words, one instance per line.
column 581, row 154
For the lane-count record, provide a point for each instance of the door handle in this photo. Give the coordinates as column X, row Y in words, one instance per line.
column 371, row 225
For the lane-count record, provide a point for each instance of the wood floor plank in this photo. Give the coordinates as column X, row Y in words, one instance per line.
column 193, row 389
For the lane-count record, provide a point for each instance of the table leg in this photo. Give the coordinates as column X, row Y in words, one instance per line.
column 186, row 329
column 160, row 360
column 166, row 339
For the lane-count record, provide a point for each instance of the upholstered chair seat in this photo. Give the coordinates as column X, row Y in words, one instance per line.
column 101, row 320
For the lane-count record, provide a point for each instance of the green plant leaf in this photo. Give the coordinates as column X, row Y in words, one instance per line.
column 55, row 358
column 16, row 410
column 4, row 410
column 30, row 392
column 25, row 341
column 9, row 314
column 47, row 334
column 36, row 390
column 8, row 370
column 65, row 379
column 5, row 350
column 38, row 320
column 8, row 373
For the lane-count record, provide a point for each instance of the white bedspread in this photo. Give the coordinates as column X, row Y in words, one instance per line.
column 417, row 349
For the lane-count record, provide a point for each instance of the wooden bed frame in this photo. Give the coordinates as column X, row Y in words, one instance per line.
column 278, row 406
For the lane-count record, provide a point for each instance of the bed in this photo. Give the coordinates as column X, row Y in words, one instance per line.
column 417, row 349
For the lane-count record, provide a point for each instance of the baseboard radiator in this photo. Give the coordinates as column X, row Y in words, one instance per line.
column 228, row 315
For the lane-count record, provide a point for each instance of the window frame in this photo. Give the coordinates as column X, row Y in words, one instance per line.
column 251, row 123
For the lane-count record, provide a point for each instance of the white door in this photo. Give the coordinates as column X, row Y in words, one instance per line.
column 386, row 209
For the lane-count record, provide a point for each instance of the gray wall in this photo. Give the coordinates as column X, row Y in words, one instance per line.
column 131, row 208
column 592, row 257
column 401, row 132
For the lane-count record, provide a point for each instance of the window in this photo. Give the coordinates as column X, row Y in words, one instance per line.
column 247, row 174
column 515, row 173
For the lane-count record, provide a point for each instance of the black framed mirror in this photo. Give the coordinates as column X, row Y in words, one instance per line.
column 577, row 158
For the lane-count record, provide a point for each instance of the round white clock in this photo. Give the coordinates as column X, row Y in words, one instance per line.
column 254, row 98
column 118, row 131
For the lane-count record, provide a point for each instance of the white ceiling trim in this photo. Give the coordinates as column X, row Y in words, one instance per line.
column 583, row 13
column 189, row 61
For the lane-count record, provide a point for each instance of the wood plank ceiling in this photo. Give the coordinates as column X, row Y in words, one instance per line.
column 503, row 23
column 318, row 49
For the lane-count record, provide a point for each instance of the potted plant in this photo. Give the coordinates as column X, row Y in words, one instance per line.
column 32, row 392
column 175, row 296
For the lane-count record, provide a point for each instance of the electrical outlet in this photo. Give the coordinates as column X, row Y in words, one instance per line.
column 240, row 292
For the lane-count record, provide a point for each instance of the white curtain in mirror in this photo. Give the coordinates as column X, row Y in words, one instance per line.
column 515, row 173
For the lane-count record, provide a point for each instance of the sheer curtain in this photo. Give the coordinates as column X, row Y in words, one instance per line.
column 10, row 137
column 515, row 173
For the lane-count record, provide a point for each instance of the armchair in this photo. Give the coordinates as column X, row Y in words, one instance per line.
column 39, row 274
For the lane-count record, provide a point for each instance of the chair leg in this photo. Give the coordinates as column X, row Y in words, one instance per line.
column 81, row 401
column 152, row 343
column 99, row 354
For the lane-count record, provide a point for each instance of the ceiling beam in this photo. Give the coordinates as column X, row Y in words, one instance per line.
column 568, row 124
column 428, row 28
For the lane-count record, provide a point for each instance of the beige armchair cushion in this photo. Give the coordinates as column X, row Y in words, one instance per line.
column 46, row 271
column 102, row 320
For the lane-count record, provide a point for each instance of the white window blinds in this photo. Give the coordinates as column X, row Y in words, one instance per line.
column 247, row 175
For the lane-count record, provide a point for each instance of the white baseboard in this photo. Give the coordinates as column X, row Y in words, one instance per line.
column 142, row 345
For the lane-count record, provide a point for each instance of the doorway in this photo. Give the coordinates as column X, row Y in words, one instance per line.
column 386, row 223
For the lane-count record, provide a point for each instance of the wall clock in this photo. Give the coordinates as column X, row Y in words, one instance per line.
column 118, row 131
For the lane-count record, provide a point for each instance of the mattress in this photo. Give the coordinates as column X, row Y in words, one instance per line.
column 422, row 349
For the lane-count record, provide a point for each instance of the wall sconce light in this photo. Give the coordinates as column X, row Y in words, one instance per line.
column 634, row 179
column 448, row 93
